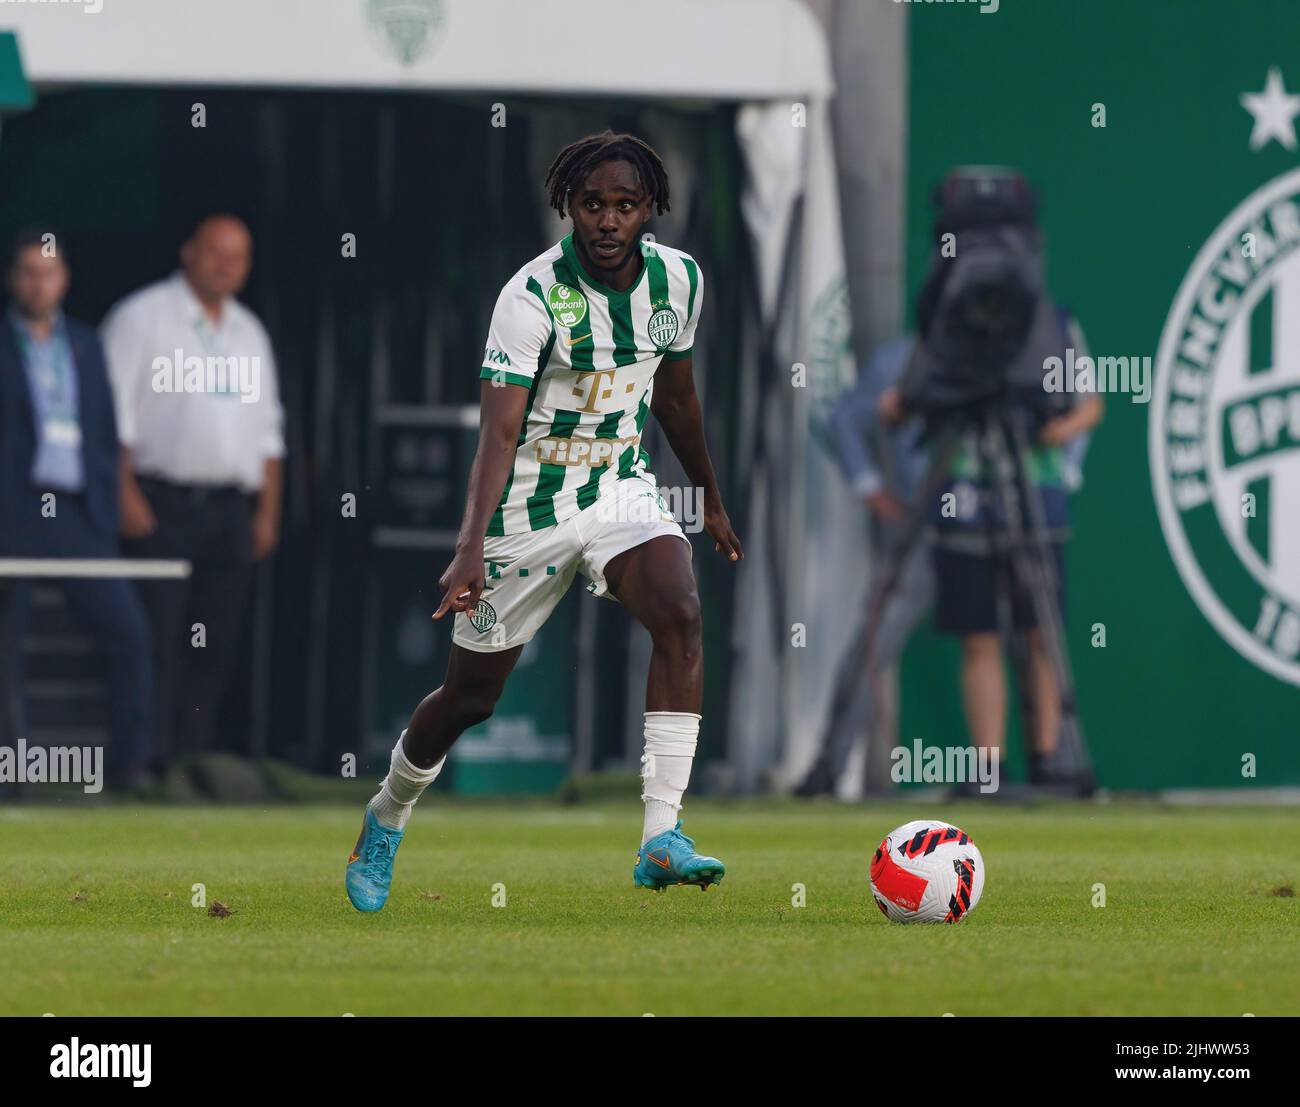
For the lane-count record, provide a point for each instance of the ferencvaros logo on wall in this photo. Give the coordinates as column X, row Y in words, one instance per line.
column 1224, row 432
column 408, row 29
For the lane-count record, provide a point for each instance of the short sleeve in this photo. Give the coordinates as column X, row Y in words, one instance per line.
column 521, row 327
column 682, row 345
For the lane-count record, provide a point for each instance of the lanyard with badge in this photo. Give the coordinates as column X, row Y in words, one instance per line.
column 56, row 376
column 211, row 339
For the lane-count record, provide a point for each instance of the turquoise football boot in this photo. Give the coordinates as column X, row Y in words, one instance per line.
column 370, row 868
column 670, row 858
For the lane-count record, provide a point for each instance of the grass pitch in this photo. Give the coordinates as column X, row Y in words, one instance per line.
column 96, row 914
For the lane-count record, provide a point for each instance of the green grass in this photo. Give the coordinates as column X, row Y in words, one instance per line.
column 96, row 915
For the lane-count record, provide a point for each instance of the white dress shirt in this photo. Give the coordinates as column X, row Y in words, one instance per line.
column 197, row 403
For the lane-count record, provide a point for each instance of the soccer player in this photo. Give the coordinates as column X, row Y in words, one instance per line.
column 585, row 341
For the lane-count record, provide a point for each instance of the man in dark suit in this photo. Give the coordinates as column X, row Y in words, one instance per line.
column 59, row 458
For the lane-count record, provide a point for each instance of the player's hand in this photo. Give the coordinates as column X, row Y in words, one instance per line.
column 885, row 507
column 719, row 526
column 462, row 583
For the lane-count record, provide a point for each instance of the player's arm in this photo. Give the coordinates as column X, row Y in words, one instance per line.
column 501, row 411
column 677, row 408
column 521, row 325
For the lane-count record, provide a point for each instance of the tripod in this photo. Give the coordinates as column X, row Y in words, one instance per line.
column 1020, row 554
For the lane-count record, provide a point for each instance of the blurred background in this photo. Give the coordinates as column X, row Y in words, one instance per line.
column 803, row 141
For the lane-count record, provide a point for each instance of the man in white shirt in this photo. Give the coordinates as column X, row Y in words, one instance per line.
column 201, row 426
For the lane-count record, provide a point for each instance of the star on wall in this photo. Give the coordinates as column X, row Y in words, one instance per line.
column 1274, row 112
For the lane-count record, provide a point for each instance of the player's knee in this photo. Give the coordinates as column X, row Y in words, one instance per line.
column 472, row 706
column 678, row 623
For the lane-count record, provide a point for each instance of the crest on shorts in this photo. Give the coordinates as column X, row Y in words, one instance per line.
column 1224, row 431
column 483, row 617
column 567, row 304
column 663, row 327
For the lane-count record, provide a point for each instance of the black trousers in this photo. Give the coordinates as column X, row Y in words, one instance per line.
column 110, row 610
column 197, row 623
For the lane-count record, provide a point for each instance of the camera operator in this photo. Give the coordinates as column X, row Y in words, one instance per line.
column 884, row 467
column 987, row 325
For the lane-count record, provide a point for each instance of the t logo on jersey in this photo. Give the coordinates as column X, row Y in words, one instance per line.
column 567, row 304
column 602, row 387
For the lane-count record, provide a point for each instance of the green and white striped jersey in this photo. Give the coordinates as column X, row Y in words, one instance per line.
column 587, row 355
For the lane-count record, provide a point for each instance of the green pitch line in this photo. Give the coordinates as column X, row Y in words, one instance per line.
column 96, row 915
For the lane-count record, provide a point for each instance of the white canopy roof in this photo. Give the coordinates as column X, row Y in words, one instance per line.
column 710, row 49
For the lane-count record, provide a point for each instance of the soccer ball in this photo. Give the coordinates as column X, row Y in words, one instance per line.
column 927, row 871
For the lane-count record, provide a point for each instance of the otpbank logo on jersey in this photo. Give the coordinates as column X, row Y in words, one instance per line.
column 1224, row 432
column 567, row 304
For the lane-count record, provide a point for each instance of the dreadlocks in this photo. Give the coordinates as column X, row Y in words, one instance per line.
column 575, row 161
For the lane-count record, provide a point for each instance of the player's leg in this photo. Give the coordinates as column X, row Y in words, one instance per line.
column 654, row 581
column 527, row 576
column 467, row 696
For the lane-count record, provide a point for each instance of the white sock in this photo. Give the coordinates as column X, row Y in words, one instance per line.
column 401, row 788
column 670, row 738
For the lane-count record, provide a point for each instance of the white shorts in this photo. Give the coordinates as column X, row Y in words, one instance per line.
column 527, row 574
